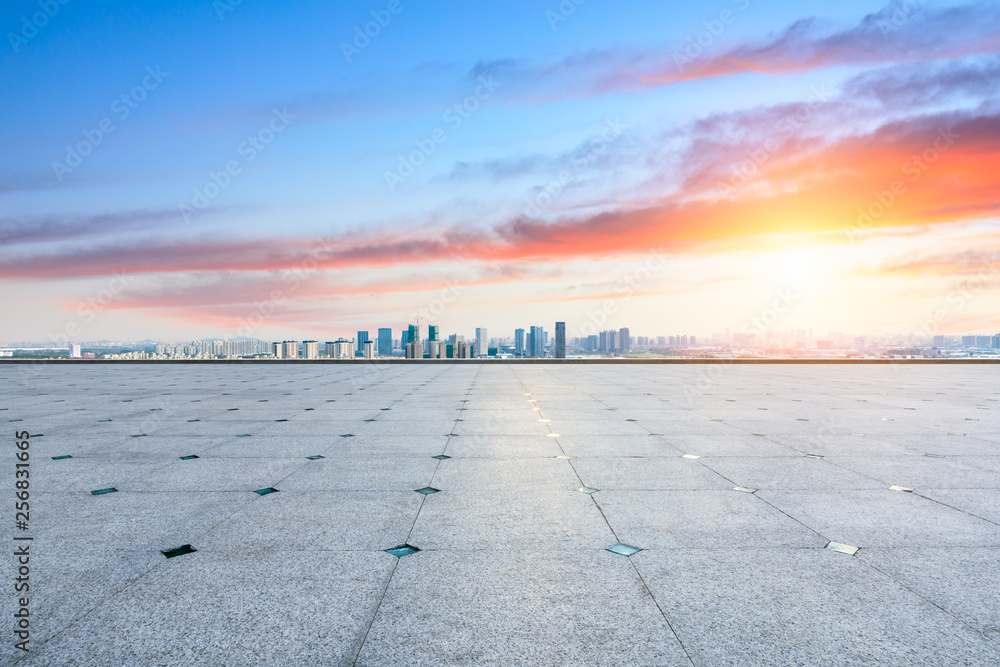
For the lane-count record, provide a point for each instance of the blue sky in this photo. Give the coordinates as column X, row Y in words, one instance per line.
column 330, row 128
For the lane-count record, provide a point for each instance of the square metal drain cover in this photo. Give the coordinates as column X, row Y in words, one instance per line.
column 315, row 458
column 745, row 489
column 60, row 458
column 402, row 550
column 264, row 492
column 101, row 492
column 623, row 549
column 179, row 551
column 189, row 457
column 842, row 548
column 427, row 490
column 441, row 457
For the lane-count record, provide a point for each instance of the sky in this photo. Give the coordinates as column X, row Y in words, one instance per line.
column 306, row 170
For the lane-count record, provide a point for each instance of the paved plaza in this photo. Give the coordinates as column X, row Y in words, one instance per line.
column 515, row 491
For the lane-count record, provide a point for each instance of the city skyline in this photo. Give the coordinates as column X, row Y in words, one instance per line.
column 646, row 165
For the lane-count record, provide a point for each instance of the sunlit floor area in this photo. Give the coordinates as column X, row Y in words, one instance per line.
column 307, row 514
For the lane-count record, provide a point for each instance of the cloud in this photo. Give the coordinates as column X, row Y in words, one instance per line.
column 50, row 228
column 936, row 161
column 898, row 33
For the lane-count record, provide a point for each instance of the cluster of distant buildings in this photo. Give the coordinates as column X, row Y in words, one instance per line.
column 423, row 341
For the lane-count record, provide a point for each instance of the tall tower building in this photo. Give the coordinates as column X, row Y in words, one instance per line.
column 291, row 349
column 537, row 342
column 560, row 340
column 362, row 339
column 310, row 349
column 482, row 342
column 624, row 339
column 368, row 351
column 519, row 342
column 384, row 342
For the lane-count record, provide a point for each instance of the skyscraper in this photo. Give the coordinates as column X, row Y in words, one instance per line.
column 362, row 339
column 537, row 342
column 291, row 349
column 560, row 340
column 413, row 333
column 310, row 349
column 385, row 342
column 368, row 351
column 624, row 339
column 482, row 342
column 519, row 342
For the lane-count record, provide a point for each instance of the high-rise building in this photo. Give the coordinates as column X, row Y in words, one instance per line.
column 482, row 342
column 624, row 340
column 368, row 351
column 385, row 342
column 422, row 331
column 75, row 352
column 560, row 352
column 414, row 350
column 310, row 349
column 433, row 332
column 291, row 349
column 536, row 343
column 436, row 349
column 413, row 333
column 359, row 349
column 277, row 350
column 519, row 342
